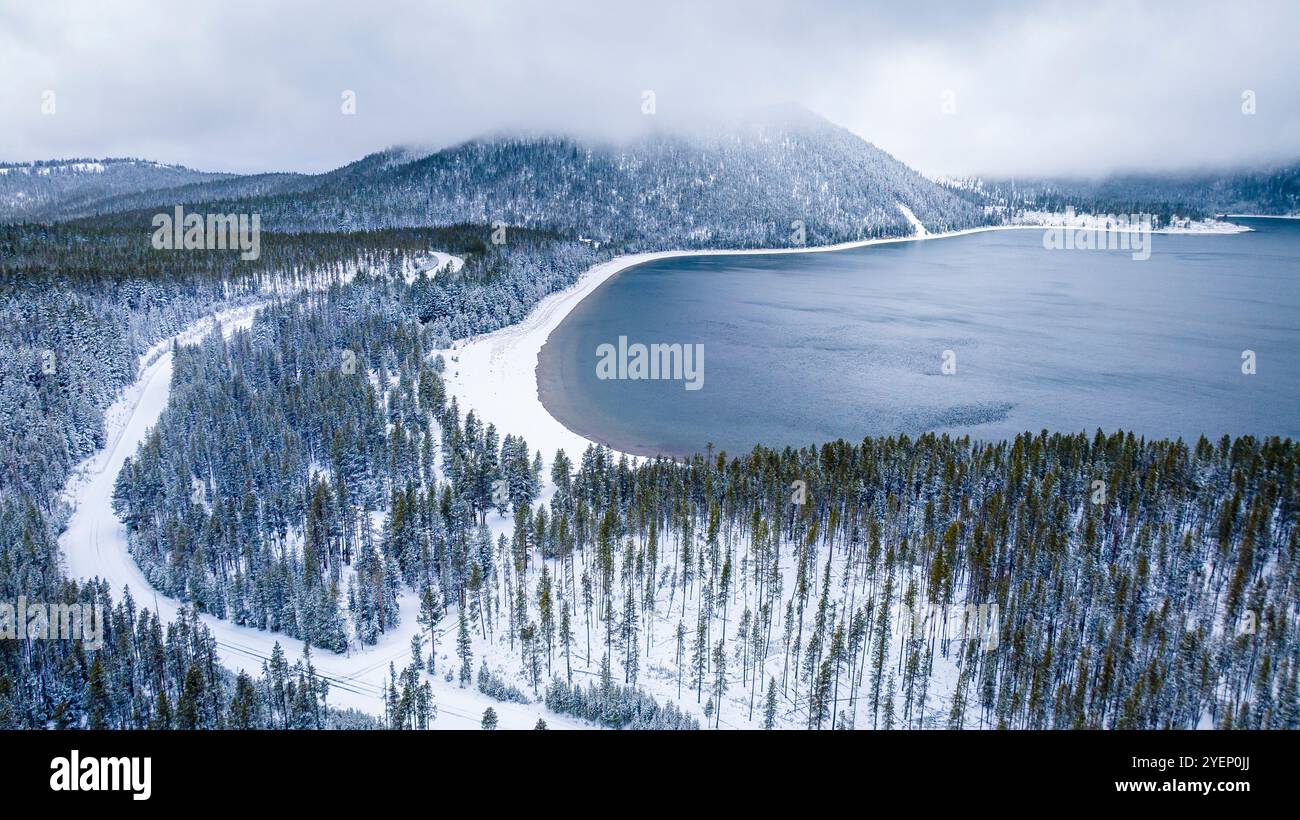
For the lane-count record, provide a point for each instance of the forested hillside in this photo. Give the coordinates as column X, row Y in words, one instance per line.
column 757, row 182
column 41, row 191
column 741, row 186
column 79, row 308
column 298, row 411
column 81, row 305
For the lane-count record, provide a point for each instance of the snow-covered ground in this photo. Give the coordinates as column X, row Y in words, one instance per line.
column 94, row 544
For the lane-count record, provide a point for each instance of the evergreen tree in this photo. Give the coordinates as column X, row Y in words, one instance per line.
column 464, row 649
column 769, row 706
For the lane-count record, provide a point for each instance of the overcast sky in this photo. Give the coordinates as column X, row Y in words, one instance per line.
column 1077, row 88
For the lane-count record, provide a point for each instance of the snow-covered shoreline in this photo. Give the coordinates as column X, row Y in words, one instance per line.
column 496, row 374
column 1122, row 223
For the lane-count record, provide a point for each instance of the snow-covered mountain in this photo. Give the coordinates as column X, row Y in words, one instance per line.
column 756, row 182
column 751, row 183
column 744, row 186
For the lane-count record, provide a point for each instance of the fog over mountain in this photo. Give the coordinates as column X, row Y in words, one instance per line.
column 751, row 184
column 1022, row 88
column 775, row 176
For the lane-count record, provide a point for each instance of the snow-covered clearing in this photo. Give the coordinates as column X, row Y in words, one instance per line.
column 917, row 227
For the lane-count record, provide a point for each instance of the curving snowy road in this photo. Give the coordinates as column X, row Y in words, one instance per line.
column 94, row 544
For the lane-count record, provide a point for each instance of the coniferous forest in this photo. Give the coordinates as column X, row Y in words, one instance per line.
column 81, row 305
column 313, row 477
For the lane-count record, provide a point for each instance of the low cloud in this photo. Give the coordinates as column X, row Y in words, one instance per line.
column 1020, row 88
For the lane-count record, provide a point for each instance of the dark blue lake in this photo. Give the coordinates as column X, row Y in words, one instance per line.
column 806, row 348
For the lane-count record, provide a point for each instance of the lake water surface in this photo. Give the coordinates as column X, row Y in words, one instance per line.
column 806, row 348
